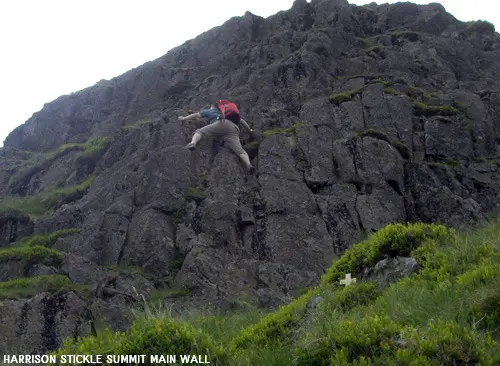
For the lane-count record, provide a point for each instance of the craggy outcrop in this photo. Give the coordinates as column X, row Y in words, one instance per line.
column 370, row 115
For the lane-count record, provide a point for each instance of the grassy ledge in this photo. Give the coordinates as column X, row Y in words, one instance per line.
column 290, row 130
column 46, row 240
column 344, row 96
column 35, row 254
column 31, row 286
column 422, row 109
column 43, row 203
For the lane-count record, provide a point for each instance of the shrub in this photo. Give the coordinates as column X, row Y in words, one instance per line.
column 392, row 240
column 352, row 339
column 353, row 295
column 31, row 286
column 448, row 343
column 274, row 327
column 149, row 336
column 480, row 275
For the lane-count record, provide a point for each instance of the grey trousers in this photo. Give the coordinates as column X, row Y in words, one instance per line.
column 226, row 130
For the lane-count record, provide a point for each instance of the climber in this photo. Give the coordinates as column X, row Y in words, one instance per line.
column 225, row 126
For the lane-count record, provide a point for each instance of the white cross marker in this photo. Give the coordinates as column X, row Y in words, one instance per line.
column 347, row 280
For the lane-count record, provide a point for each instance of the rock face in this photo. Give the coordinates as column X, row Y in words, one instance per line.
column 40, row 323
column 391, row 269
column 390, row 113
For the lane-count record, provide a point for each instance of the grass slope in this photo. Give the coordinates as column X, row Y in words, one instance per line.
column 43, row 203
column 447, row 314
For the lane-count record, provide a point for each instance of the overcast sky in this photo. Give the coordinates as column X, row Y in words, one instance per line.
column 54, row 47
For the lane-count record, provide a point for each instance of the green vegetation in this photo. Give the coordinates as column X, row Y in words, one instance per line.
column 88, row 148
column 225, row 326
column 31, row 286
column 344, row 97
column 89, row 152
column 138, row 123
column 452, row 163
column 93, row 150
column 63, row 150
column 43, row 203
column 392, row 91
column 370, row 42
column 385, row 83
column 402, row 149
column 196, row 194
column 252, row 145
column 275, row 327
column 32, row 254
column 179, row 213
column 415, row 93
column 491, row 161
column 150, row 336
column 290, row 130
column 46, row 240
column 427, row 110
column 447, row 314
column 372, row 133
column 396, row 239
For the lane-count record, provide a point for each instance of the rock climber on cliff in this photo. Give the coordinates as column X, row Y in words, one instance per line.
column 227, row 119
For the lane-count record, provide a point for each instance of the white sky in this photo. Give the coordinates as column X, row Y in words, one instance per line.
column 54, row 47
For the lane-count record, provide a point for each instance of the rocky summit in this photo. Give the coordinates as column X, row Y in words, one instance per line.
column 368, row 115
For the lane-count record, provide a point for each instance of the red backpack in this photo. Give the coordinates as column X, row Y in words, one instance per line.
column 229, row 110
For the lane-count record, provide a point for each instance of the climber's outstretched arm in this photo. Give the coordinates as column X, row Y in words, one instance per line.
column 245, row 124
column 191, row 116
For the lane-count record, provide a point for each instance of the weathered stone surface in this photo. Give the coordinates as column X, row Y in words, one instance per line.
column 391, row 269
column 301, row 241
column 150, row 243
column 278, row 283
column 81, row 269
column 41, row 323
column 197, row 220
column 316, row 155
column 13, row 227
column 112, row 314
column 429, row 201
column 339, row 212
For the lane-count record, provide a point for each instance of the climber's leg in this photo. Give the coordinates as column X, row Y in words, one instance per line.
column 196, row 138
column 232, row 141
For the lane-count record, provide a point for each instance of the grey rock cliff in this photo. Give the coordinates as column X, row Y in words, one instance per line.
column 396, row 117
